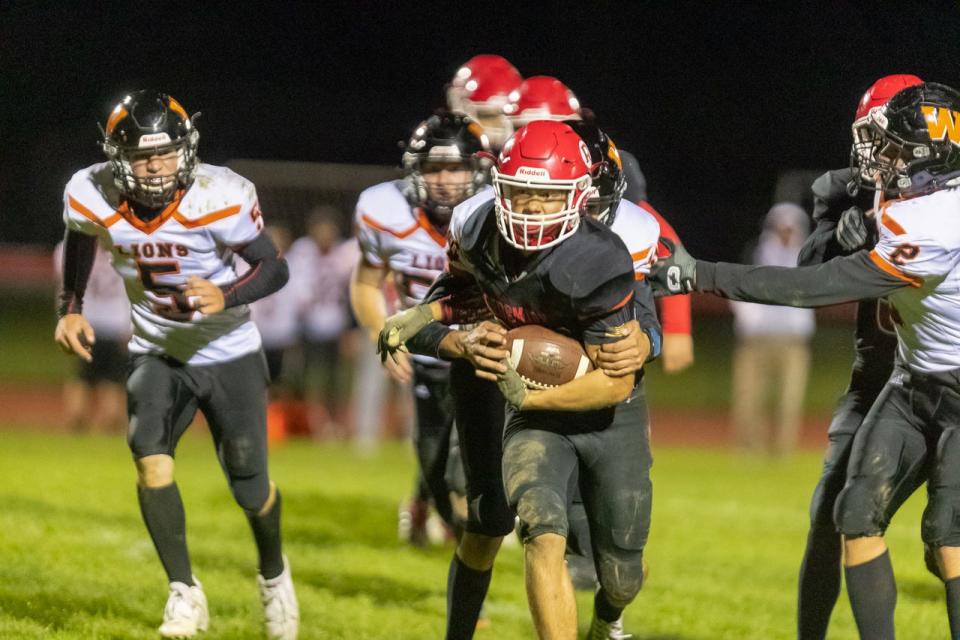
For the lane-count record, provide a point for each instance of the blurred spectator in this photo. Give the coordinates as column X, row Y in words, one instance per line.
column 96, row 399
column 772, row 356
column 320, row 267
column 278, row 319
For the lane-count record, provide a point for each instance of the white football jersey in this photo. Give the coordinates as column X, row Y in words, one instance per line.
column 400, row 238
column 920, row 244
column 105, row 304
column 193, row 236
column 640, row 231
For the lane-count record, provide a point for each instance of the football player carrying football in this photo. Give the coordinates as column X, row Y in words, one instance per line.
column 912, row 148
column 842, row 228
column 172, row 226
column 536, row 260
column 401, row 227
column 547, row 98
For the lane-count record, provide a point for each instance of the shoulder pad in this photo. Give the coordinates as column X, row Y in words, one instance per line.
column 384, row 207
column 471, row 223
column 216, row 193
column 636, row 226
column 590, row 258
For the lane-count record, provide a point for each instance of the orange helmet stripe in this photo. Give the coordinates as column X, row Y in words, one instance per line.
column 174, row 105
column 118, row 114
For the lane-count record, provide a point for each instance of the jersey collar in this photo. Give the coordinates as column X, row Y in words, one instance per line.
column 126, row 212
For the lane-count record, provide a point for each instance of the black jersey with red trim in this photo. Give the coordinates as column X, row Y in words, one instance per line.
column 875, row 336
column 581, row 287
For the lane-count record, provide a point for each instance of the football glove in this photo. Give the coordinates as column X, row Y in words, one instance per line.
column 512, row 386
column 852, row 232
column 400, row 327
column 675, row 274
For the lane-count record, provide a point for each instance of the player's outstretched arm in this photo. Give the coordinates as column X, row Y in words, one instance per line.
column 73, row 333
column 842, row 279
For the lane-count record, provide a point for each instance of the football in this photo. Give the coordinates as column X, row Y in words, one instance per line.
column 545, row 358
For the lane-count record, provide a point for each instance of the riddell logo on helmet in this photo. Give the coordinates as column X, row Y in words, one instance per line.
column 154, row 139
column 532, row 172
column 942, row 123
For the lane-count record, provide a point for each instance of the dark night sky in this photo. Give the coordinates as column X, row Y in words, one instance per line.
column 715, row 98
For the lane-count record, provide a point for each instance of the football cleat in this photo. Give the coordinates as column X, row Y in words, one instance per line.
column 186, row 611
column 281, row 611
column 601, row 630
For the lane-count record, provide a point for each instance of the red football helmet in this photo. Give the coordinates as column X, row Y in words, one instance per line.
column 866, row 141
column 480, row 89
column 542, row 156
column 541, row 98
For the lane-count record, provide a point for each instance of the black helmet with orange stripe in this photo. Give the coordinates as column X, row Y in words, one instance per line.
column 917, row 140
column 607, row 171
column 445, row 141
column 142, row 125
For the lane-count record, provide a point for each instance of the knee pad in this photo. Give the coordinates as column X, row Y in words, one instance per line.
column 541, row 510
column 246, row 466
column 861, row 508
column 489, row 514
column 251, row 492
column 621, row 575
column 941, row 519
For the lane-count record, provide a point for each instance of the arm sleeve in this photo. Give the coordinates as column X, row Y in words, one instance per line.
column 79, row 252
column 645, row 311
column 843, row 279
column 427, row 341
column 268, row 273
column 675, row 312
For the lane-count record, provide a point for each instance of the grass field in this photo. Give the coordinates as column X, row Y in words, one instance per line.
column 77, row 563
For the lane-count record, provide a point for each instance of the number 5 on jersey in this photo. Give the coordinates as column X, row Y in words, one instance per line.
column 178, row 308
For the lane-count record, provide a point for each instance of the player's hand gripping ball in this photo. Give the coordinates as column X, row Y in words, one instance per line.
column 544, row 358
column 400, row 327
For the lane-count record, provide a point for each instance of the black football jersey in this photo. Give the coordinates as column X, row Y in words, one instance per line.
column 580, row 287
column 876, row 342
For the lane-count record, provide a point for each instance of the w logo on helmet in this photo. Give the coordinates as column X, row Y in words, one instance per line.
column 942, row 123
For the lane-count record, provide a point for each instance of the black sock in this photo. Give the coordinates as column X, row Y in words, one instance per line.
column 873, row 597
column 162, row 511
column 466, row 591
column 266, row 533
column 953, row 606
column 819, row 582
column 604, row 610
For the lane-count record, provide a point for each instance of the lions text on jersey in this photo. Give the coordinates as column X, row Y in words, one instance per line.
column 193, row 236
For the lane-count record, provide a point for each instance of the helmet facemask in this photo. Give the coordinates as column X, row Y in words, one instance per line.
column 438, row 196
column 537, row 231
column 153, row 191
column 890, row 162
column 609, row 191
